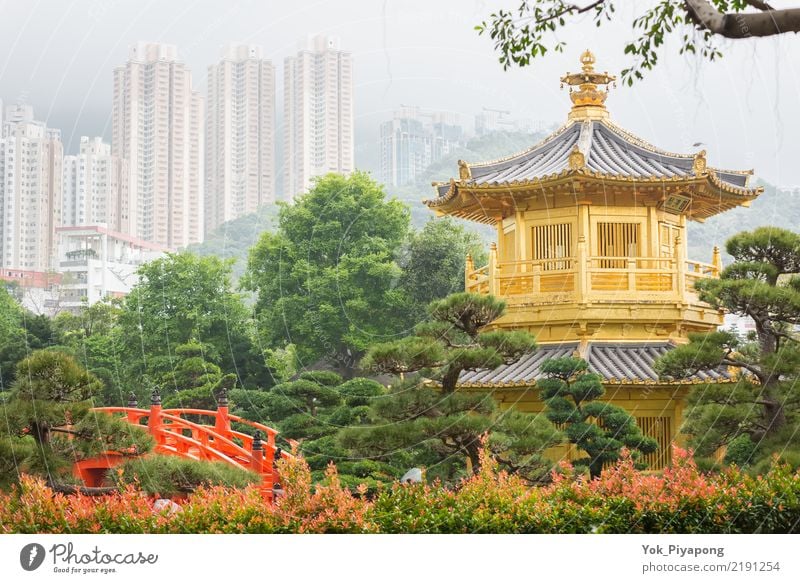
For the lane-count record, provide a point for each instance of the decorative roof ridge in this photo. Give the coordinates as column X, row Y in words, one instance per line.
column 636, row 140
column 741, row 190
column 544, row 141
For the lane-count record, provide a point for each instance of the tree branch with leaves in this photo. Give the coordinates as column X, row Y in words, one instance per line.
column 530, row 31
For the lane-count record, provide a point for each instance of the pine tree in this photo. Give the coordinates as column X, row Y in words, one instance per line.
column 600, row 429
column 439, row 424
column 49, row 423
column 763, row 405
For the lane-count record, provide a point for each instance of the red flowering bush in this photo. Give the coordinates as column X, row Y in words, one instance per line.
column 680, row 500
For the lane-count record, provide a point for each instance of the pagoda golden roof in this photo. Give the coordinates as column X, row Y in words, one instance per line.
column 589, row 152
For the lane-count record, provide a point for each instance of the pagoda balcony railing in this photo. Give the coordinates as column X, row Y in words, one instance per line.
column 592, row 278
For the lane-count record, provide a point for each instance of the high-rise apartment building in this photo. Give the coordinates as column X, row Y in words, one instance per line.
column 158, row 129
column 30, row 190
column 96, row 187
column 318, row 113
column 240, row 135
column 413, row 140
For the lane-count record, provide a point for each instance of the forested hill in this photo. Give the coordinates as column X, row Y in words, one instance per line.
column 775, row 207
column 481, row 149
column 232, row 240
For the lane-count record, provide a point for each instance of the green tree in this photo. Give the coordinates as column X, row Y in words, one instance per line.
column 11, row 332
column 93, row 338
column 327, row 281
column 182, row 297
column 434, row 265
column 600, row 429
column 196, row 382
column 447, row 424
column 533, row 28
column 763, row 404
column 49, row 423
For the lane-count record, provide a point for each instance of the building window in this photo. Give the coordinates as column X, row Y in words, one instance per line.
column 667, row 234
column 552, row 244
column 618, row 241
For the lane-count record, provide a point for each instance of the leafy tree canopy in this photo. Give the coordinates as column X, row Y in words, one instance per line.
column 444, row 426
column 49, row 423
column 763, row 403
column 527, row 32
column 328, row 280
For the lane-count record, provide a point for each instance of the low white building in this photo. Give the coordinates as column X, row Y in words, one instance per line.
column 96, row 263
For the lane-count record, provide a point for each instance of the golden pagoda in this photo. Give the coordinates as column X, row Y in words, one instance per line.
column 591, row 255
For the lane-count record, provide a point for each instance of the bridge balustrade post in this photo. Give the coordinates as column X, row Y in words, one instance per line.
column 154, row 420
column 222, row 422
column 133, row 403
column 257, row 455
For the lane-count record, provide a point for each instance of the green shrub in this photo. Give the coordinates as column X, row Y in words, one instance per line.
column 168, row 475
column 621, row 500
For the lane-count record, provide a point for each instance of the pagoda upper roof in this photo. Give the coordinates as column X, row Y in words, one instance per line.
column 606, row 149
column 589, row 146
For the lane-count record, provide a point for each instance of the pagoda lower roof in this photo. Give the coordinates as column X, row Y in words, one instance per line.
column 615, row 362
column 605, row 151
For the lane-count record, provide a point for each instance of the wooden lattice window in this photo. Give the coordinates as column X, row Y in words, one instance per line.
column 618, row 240
column 667, row 234
column 552, row 244
column 660, row 429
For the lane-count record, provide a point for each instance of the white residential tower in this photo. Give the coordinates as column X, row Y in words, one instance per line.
column 240, row 135
column 318, row 113
column 30, row 190
column 158, row 128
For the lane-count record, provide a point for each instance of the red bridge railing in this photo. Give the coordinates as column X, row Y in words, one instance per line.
column 178, row 436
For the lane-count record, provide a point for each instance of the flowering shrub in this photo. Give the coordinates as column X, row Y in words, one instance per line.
column 680, row 500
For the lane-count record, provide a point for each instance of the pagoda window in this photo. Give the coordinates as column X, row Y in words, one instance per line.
column 667, row 234
column 618, row 241
column 552, row 246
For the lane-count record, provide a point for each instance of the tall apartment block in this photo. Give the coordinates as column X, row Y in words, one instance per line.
column 318, row 116
column 413, row 140
column 30, row 190
column 158, row 127
column 96, row 186
column 240, row 135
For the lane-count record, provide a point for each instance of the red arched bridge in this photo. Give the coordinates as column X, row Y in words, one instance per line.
column 176, row 435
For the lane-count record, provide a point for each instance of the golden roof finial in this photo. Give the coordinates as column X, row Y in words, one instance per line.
column 464, row 173
column 587, row 97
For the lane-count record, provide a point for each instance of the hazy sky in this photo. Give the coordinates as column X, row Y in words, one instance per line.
column 58, row 55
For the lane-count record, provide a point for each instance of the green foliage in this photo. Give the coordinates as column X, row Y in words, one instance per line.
column 682, row 500
column 741, row 451
column 452, row 342
column 184, row 298
column 233, row 239
column 598, row 428
column 53, row 377
column 438, row 427
column 534, row 27
column 762, row 404
column 49, row 424
column 165, row 476
column 312, row 409
column 327, row 281
column 434, row 261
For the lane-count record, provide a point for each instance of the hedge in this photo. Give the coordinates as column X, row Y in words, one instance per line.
column 623, row 500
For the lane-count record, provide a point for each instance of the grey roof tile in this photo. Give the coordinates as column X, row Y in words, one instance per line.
column 613, row 361
column 607, row 149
